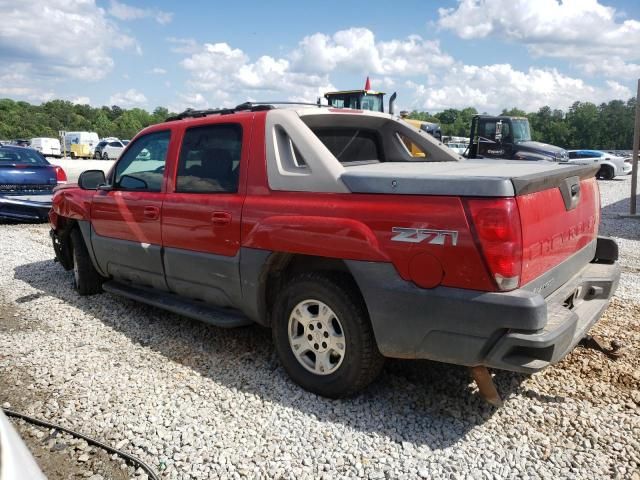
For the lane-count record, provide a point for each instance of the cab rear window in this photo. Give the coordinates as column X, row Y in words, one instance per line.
column 350, row 144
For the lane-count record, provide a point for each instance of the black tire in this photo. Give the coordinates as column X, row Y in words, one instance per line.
column 105, row 156
column 362, row 361
column 606, row 172
column 86, row 279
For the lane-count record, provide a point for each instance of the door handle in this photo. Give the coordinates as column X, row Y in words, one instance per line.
column 221, row 218
column 151, row 212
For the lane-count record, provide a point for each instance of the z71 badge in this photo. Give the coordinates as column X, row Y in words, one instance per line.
column 417, row 235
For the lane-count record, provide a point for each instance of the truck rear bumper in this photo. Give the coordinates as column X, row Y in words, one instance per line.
column 571, row 312
column 518, row 330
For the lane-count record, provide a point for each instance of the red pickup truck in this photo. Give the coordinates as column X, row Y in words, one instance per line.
column 326, row 225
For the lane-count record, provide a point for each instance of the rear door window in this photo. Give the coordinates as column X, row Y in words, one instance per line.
column 210, row 159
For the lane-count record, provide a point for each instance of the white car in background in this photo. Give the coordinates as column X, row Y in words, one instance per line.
column 112, row 150
column 49, row 147
column 458, row 147
column 16, row 461
column 610, row 165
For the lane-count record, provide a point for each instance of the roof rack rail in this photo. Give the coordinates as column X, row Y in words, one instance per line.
column 246, row 106
column 257, row 104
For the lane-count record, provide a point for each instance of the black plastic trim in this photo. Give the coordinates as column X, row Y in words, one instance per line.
column 203, row 312
column 606, row 250
column 537, row 182
column 445, row 324
column 518, row 330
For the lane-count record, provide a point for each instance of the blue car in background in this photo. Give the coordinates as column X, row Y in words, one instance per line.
column 27, row 181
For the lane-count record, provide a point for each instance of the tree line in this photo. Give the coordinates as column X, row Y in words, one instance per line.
column 21, row 120
column 584, row 125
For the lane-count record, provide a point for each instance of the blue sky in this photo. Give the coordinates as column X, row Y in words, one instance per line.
column 489, row 54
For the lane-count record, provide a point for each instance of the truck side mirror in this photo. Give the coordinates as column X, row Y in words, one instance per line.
column 91, row 179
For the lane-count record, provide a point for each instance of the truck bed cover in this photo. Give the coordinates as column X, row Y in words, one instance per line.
column 480, row 178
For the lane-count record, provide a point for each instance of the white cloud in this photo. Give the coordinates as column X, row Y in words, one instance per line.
column 122, row 11
column 81, row 101
column 356, row 50
column 227, row 73
column 585, row 32
column 63, row 38
column 158, row 71
column 17, row 81
column 426, row 77
column 494, row 87
column 183, row 45
column 130, row 98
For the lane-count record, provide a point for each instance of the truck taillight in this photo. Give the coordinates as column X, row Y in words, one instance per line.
column 61, row 177
column 498, row 231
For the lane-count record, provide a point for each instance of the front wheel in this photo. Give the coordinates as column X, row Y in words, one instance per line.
column 86, row 278
column 105, row 156
column 323, row 336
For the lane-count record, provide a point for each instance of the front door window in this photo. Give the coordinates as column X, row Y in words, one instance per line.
column 142, row 166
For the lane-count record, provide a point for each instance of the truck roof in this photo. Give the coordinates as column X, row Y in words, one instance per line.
column 500, row 117
column 346, row 92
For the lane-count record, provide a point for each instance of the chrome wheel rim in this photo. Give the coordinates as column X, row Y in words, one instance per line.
column 316, row 337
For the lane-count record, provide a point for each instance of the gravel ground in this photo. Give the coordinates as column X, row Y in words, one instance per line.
column 195, row 401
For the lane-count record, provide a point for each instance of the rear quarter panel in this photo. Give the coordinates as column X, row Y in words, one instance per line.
column 359, row 227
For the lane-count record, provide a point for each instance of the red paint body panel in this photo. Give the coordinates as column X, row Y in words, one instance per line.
column 73, row 203
column 358, row 227
column 126, row 216
column 550, row 233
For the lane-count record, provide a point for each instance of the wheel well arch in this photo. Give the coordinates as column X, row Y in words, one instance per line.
column 607, row 166
column 280, row 267
column 61, row 237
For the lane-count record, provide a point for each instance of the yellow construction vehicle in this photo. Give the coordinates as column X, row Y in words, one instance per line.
column 366, row 99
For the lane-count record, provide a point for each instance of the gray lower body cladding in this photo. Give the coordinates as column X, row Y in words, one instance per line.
column 519, row 330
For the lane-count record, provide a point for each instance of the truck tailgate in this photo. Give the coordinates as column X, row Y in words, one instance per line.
column 553, row 231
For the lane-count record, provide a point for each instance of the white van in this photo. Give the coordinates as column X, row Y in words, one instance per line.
column 90, row 139
column 49, row 147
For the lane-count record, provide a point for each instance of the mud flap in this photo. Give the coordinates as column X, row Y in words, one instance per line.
column 62, row 248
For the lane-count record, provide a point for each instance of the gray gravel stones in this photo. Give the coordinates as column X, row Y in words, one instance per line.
column 199, row 402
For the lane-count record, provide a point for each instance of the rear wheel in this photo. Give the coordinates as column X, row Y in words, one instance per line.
column 606, row 172
column 86, row 278
column 323, row 336
column 105, row 156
